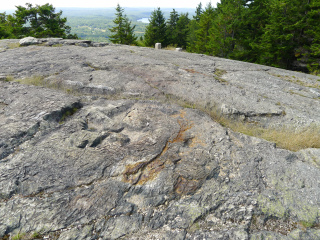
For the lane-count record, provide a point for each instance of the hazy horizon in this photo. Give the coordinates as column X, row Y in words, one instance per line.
column 10, row 5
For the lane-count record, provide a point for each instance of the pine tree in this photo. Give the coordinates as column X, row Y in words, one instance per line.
column 171, row 28
column 225, row 28
column 130, row 38
column 193, row 27
column 311, row 52
column 198, row 12
column 292, row 29
column 123, row 32
column 156, row 29
column 182, row 30
column 201, row 44
column 251, row 28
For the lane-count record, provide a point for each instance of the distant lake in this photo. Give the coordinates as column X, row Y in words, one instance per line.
column 144, row 20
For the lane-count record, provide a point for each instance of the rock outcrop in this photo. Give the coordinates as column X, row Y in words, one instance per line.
column 114, row 144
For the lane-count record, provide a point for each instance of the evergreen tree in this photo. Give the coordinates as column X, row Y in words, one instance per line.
column 156, row 29
column 198, row 12
column 130, row 38
column 251, row 28
column 123, row 32
column 225, row 28
column 310, row 53
column 4, row 30
column 193, row 27
column 292, row 30
column 182, row 31
column 281, row 33
column 203, row 32
column 171, row 28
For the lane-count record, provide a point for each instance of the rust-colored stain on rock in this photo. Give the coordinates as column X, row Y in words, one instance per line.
column 142, row 172
column 184, row 186
column 151, row 171
column 132, row 172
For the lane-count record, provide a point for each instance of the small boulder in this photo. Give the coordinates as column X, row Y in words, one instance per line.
column 28, row 41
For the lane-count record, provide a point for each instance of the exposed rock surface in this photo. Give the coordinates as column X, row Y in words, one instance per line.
column 113, row 161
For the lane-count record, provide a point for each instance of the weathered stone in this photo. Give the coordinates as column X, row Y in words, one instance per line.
column 29, row 41
column 109, row 158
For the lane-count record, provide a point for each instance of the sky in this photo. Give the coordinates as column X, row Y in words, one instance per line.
column 10, row 4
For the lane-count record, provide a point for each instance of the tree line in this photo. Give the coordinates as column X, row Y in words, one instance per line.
column 279, row 33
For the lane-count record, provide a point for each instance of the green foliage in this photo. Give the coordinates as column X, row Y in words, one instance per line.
column 225, row 28
column 280, row 33
column 193, row 27
column 39, row 21
column 306, row 224
column 123, row 32
column 182, row 30
column 5, row 31
column 156, row 29
column 250, row 30
column 203, row 32
column 36, row 235
column 172, row 27
column 198, row 12
column 19, row 236
column 177, row 29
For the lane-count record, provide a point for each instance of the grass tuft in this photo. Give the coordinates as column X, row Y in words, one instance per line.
column 27, row 236
column 42, row 82
column 8, row 78
column 293, row 139
column 13, row 45
column 35, row 80
column 19, row 236
column 170, row 47
column 284, row 137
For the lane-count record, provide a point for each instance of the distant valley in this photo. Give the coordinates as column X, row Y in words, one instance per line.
column 94, row 23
